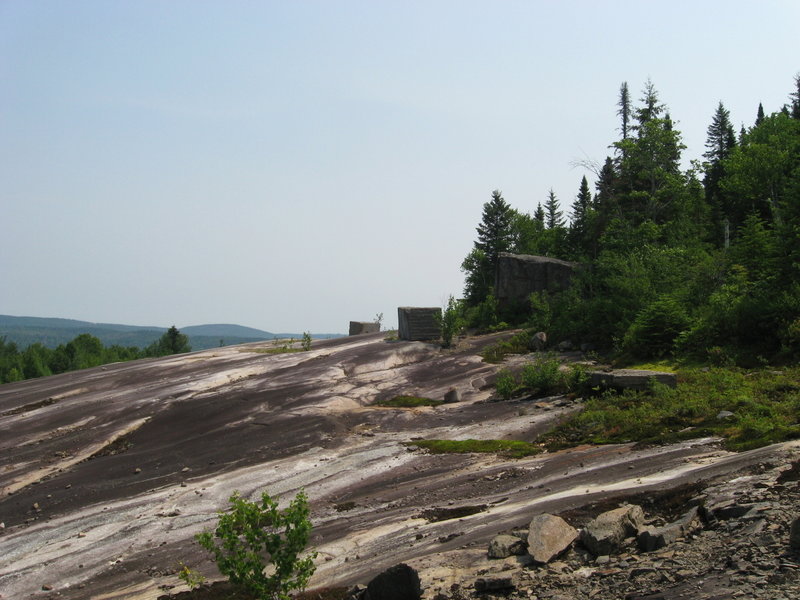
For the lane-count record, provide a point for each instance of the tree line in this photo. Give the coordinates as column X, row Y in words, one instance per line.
column 84, row 351
column 698, row 262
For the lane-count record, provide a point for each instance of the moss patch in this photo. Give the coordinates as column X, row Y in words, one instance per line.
column 508, row 448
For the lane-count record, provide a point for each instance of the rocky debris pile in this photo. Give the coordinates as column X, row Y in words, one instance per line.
column 738, row 538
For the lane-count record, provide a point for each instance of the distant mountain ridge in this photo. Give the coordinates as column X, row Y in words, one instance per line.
column 51, row 332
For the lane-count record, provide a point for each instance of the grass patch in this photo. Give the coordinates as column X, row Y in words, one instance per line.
column 516, row 344
column 765, row 406
column 408, row 402
column 508, row 448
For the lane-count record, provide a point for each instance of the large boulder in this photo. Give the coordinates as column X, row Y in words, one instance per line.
column 633, row 379
column 399, row 582
column 416, row 323
column 549, row 536
column 519, row 275
column 604, row 534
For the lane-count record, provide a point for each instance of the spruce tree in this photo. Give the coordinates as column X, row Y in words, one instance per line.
column 760, row 115
column 795, row 96
column 624, row 111
column 720, row 143
column 539, row 214
column 495, row 235
column 579, row 220
column 494, row 230
column 555, row 218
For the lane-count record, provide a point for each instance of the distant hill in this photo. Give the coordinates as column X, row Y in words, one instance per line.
column 51, row 332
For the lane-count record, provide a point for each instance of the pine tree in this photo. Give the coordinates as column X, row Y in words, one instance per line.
column 555, row 218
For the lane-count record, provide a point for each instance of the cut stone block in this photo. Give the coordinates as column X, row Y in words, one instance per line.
column 359, row 327
column 419, row 324
column 633, row 379
column 519, row 275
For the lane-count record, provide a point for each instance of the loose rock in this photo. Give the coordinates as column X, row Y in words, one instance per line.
column 503, row 546
column 605, row 534
column 549, row 536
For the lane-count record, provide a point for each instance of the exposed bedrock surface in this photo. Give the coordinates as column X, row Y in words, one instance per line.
column 107, row 474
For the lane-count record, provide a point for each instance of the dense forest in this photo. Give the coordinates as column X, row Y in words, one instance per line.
column 699, row 263
column 82, row 352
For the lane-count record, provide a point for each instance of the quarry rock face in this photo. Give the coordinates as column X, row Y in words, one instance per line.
column 416, row 324
column 359, row 327
column 519, row 275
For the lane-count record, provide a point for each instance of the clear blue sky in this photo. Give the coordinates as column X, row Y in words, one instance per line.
column 295, row 165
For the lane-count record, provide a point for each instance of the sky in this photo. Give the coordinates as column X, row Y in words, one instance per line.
column 293, row 166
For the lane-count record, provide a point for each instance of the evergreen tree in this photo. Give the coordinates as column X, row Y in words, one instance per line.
column 495, row 235
column 760, row 115
column 539, row 214
column 580, row 217
column 624, row 111
column 494, row 230
column 555, row 218
column 795, row 96
column 720, row 142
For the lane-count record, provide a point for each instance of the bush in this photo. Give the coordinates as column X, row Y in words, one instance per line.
column 505, row 384
column 450, row 321
column 250, row 530
column 655, row 329
column 306, row 343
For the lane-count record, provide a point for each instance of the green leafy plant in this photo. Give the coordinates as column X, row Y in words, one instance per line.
column 306, row 343
column 505, row 384
column 252, row 535
column 191, row 577
column 450, row 321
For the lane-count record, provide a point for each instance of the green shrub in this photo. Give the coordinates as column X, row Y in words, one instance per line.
column 517, row 344
column 655, row 329
column 451, row 321
column 306, row 343
column 250, row 534
column 505, row 384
